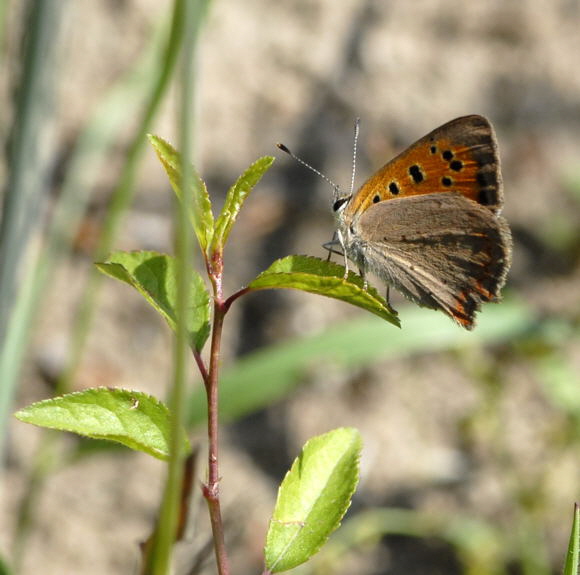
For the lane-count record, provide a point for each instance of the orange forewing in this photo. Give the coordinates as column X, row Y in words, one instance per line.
column 460, row 156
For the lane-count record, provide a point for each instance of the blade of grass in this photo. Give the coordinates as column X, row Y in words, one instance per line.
column 192, row 13
column 27, row 181
column 151, row 76
column 571, row 564
column 267, row 376
column 86, row 163
column 480, row 545
column 121, row 199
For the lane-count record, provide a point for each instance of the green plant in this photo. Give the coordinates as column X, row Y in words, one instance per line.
column 316, row 492
column 573, row 554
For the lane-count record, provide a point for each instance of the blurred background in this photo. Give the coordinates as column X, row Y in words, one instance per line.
column 471, row 457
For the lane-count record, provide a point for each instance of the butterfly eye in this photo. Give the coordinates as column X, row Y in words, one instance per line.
column 339, row 203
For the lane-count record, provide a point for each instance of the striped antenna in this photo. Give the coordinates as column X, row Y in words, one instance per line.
column 307, row 165
column 354, row 150
column 319, row 173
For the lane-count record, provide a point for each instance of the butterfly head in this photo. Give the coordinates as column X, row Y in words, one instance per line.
column 339, row 202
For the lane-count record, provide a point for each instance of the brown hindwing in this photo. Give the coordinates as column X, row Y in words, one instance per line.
column 442, row 251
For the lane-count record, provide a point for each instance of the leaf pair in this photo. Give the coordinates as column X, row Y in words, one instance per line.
column 316, row 492
column 153, row 275
column 312, row 499
column 210, row 234
column 308, row 274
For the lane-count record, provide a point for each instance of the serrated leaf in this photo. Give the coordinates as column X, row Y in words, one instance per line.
column 133, row 418
column 153, row 275
column 200, row 213
column 236, row 196
column 571, row 565
column 324, row 278
column 313, row 498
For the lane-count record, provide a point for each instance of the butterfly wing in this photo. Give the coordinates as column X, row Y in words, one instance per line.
column 441, row 250
column 460, row 156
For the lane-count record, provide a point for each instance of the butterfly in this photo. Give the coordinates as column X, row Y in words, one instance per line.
column 429, row 221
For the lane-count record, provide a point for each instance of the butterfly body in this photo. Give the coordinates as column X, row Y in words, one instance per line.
column 428, row 222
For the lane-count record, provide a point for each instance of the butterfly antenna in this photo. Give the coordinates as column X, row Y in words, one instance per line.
column 306, row 165
column 354, row 150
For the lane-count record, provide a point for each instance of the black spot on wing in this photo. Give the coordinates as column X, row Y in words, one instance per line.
column 416, row 173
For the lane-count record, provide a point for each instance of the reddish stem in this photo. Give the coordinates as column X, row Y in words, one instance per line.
column 210, row 378
column 212, row 395
column 201, row 367
column 235, row 296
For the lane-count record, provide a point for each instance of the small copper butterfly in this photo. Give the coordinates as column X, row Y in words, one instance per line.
column 428, row 222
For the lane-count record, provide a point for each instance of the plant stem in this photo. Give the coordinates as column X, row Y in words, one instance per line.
column 186, row 13
column 211, row 488
column 201, row 367
column 235, row 296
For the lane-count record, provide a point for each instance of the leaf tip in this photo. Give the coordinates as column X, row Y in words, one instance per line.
column 20, row 415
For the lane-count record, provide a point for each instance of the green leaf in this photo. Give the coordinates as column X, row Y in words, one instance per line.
column 313, row 498
column 154, row 276
column 132, row 418
column 237, row 194
column 571, row 566
column 200, row 212
column 324, row 278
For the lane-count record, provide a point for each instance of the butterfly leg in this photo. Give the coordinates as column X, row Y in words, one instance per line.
column 345, row 266
column 341, row 241
column 362, row 274
column 329, row 246
column 387, row 299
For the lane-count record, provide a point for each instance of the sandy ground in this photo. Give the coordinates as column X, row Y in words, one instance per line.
column 299, row 72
